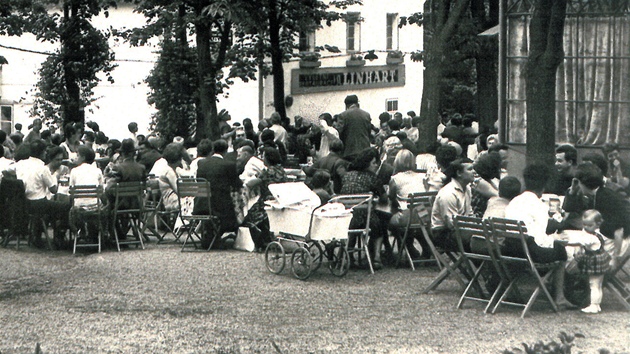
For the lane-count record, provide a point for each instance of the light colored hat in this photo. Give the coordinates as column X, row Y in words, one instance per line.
column 178, row 140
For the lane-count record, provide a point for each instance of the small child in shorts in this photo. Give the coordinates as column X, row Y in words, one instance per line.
column 592, row 241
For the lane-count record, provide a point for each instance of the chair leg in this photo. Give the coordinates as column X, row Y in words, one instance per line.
column 493, row 298
column 473, row 284
column 619, row 290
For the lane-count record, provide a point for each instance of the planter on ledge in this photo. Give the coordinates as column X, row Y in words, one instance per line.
column 394, row 61
column 304, row 64
column 352, row 63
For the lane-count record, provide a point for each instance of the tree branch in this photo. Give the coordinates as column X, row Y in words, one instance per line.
column 453, row 20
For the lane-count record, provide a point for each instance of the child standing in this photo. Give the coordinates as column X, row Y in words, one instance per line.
column 592, row 259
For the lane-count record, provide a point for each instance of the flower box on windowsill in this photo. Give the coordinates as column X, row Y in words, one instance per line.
column 352, row 63
column 394, row 61
column 308, row 64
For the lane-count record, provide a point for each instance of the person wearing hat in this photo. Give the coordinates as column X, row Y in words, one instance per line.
column 356, row 126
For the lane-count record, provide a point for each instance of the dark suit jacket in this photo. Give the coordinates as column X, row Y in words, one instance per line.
column 128, row 170
column 614, row 209
column 355, row 131
column 222, row 175
column 332, row 163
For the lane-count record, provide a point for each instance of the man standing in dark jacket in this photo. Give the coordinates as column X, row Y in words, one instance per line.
column 223, row 178
column 356, row 125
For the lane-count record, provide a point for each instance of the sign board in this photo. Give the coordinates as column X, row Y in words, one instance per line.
column 346, row 78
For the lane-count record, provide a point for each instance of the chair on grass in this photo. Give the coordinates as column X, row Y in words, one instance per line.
column 156, row 218
column 451, row 263
column 87, row 216
column 127, row 213
column 474, row 231
column 619, row 289
column 195, row 226
column 419, row 206
column 14, row 223
column 518, row 269
column 363, row 205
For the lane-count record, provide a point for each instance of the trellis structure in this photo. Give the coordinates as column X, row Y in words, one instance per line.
column 593, row 82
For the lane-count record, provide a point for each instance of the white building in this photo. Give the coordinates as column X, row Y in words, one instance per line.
column 324, row 89
column 380, row 87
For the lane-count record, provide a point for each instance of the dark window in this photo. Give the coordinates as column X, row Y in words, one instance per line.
column 353, row 31
column 391, row 31
column 392, row 105
column 7, row 118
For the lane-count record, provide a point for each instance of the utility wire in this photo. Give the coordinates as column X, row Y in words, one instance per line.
column 49, row 53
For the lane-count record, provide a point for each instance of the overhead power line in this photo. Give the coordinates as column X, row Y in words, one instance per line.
column 49, row 53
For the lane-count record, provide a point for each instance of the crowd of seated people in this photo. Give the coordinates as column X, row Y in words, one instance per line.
column 344, row 154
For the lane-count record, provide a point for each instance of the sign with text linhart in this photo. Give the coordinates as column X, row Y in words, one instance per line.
column 346, row 78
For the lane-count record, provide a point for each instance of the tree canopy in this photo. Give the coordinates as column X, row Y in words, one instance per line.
column 68, row 76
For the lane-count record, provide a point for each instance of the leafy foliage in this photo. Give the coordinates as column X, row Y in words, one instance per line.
column 553, row 347
column 173, row 87
column 69, row 75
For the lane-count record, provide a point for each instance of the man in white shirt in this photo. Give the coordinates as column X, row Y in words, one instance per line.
column 452, row 200
column 531, row 210
column 4, row 162
column 328, row 134
column 280, row 134
column 38, row 181
column 253, row 165
column 86, row 173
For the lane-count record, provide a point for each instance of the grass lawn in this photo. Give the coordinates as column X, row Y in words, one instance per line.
column 160, row 300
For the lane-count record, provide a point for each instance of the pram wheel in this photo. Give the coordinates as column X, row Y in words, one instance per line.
column 316, row 251
column 301, row 262
column 274, row 257
column 339, row 261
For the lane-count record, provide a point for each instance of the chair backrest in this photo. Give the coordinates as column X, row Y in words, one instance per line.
column 153, row 192
column 467, row 228
column 420, row 205
column 197, row 189
column 358, row 202
column 503, row 230
column 193, row 187
column 129, row 197
column 89, row 193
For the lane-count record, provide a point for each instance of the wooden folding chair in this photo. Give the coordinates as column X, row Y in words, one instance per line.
column 470, row 230
column 155, row 216
column 516, row 269
column 619, row 289
column 419, row 206
column 83, row 216
column 194, row 225
column 127, row 213
column 361, row 203
column 451, row 263
column 14, row 223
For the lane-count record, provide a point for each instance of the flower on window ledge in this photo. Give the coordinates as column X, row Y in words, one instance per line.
column 310, row 56
column 395, row 54
column 355, row 57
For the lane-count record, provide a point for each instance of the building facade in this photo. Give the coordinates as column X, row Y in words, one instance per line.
column 379, row 85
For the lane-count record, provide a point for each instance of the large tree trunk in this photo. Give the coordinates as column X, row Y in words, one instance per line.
column 441, row 20
column 207, row 97
column 276, row 60
column 545, row 55
column 485, row 16
column 72, row 104
column 487, row 81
